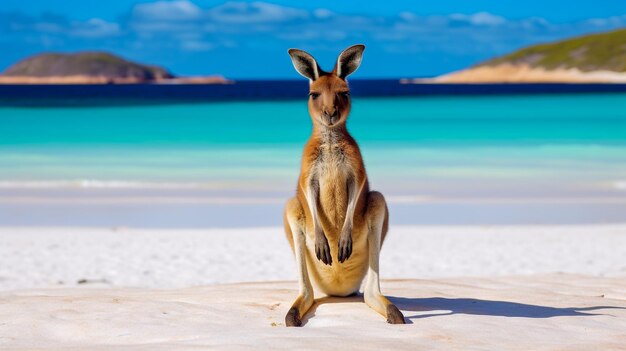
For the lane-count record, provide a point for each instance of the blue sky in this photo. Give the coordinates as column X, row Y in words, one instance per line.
column 242, row 39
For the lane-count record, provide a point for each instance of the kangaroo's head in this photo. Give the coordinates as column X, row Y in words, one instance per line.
column 329, row 95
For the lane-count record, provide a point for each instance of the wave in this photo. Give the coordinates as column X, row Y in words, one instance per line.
column 244, row 192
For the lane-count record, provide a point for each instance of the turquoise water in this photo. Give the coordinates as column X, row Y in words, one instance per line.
column 488, row 140
column 438, row 160
column 487, row 120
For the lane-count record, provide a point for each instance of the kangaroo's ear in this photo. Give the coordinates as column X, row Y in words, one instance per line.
column 305, row 64
column 349, row 60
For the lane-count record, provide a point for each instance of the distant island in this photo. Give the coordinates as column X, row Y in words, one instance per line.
column 92, row 67
column 595, row 58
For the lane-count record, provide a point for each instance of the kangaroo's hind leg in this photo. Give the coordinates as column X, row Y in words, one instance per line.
column 377, row 218
column 295, row 225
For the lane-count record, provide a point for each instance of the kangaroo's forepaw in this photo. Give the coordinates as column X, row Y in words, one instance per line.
column 322, row 250
column 292, row 319
column 345, row 247
column 394, row 316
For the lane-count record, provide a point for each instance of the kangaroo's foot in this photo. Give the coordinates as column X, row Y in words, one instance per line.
column 382, row 305
column 297, row 311
column 292, row 319
column 394, row 316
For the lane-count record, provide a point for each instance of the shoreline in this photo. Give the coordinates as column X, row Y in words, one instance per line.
column 188, row 213
column 523, row 73
column 199, row 205
column 103, row 80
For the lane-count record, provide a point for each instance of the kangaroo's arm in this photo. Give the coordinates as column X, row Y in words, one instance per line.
column 311, row 193
column 354, row 189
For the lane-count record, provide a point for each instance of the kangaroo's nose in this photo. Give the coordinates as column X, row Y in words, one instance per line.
column 330, row 113
column 331, row 116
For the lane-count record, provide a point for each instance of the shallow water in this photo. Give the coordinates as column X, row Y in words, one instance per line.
column 515, row 148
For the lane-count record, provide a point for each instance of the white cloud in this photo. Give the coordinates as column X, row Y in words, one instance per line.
column 486, row 19
column 196, row 45
column 167, row 10
column 163, row 27
column 92, row 28
column 95, row 28
column 307, row 35
column 617, row 21
column 407, row 16
column 323, row 13
column 479, row 19
column 255, row 12
column 48, row 27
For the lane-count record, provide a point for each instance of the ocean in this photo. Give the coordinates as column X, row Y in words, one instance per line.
column 483, row 156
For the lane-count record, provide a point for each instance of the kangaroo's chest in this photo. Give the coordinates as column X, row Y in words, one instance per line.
column 332, row 171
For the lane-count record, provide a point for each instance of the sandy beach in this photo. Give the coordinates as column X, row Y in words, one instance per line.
column 150, row 152
column 175, row 258
column 541, row 312
column 469, row 287
column 522, row 73
column 84, row 79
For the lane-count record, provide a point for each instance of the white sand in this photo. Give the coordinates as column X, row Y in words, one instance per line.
column 49, row 257
column 584, row 309
column 551, row 312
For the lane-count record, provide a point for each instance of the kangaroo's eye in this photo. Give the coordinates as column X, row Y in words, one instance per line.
column 344, row 94
column 314, row 95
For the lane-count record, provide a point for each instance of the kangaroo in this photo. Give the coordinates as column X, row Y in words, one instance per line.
column 335, row 225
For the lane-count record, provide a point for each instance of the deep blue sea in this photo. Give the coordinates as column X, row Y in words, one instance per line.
column 259, row 90
column 421, row 143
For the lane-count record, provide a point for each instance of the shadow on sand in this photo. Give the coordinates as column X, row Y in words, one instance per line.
column 449, row 306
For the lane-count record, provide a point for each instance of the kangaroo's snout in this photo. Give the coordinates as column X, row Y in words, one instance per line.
column 330, row 117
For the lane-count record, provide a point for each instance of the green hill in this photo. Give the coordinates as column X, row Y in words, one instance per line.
column 604, row 51
column 90, row 64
